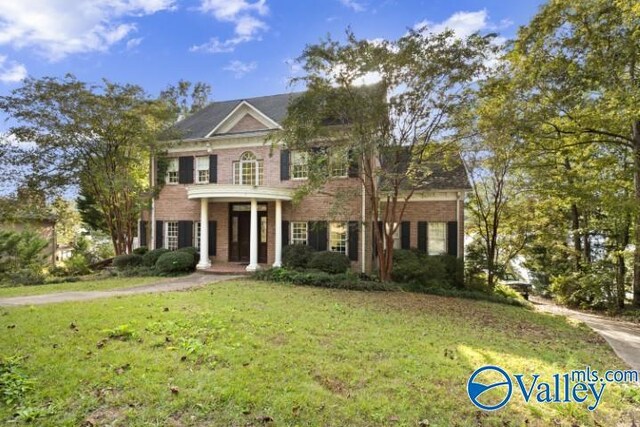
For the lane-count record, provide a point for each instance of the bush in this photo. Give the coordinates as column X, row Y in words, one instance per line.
column 123, row 262
column 193, row 251
column 322, row 279
column 26, row 277
column 507, row 292
column 77, row 264
column 330, row 262
column 297, row 256
column 141, row 250
column 175, row 262
column 585, row 289
column 419, row 270
column 140, row 271
column 150, row 258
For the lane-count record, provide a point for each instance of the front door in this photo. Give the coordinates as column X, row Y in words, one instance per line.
column 240, row 232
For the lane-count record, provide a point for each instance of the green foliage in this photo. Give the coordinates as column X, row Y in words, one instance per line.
column 122, row 332
column 193, row 251
column 123, row 262
column 76, row 265
column 26, row 277
column 14, row 384
column 585, row 289
column 141, row 250
column 419, row 270
column 150, row 258
column 175, row 262
column 330, row 262
column 20, row 250
column 297, row 256
column 507, row 292
column 323, row 279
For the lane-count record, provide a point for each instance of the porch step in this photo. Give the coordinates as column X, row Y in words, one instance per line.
column 226, row 269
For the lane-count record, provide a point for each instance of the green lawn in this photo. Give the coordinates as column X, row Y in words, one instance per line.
column 247, row 353
column 85, row 285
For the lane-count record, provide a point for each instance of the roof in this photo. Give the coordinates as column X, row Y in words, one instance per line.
column 444, row 173
column 201, row 123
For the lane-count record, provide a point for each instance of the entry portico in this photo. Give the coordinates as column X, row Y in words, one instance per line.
column 239, row 194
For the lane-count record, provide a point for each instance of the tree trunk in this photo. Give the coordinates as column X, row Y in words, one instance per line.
column 621, row 271
column 636, row 225
column 575, row 233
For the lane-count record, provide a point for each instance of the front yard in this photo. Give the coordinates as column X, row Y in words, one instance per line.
column 84, row 285
column 249, row 353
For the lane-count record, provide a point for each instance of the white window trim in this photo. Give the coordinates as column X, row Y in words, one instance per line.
column 166, row 234
column 346, row 237
column 197, row 170
column 291, row 165
column 173, row 161
column 291, row 235
column 196, row 238
column 429, row 236
column 346, row 164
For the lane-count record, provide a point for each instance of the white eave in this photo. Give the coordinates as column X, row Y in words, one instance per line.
column 232, row 193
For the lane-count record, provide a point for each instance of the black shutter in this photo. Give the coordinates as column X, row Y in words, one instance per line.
column 213, row 237
column 159, row 234
column 353, row 240
column 213, row 168
column 318, row 235
column 452, row 238
column 185, row 170
column 354, row 165
column 405, row 234
column 373, row 239
column 285, row 233
column 142, row 237
column 185, row 234
column 422, row 236
column 284, row 164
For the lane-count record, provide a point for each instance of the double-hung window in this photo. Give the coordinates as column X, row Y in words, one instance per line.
column 397, row 244
column 299, row 233
column 338, row 162
column 299, row 165
column 172, row 171
column 171, row 241
column 338, row 237
column 437, row 238
column 202, row 169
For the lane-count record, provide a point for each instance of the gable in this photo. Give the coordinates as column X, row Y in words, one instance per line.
column 244, row 118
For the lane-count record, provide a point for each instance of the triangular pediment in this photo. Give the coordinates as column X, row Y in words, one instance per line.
column 244, row 118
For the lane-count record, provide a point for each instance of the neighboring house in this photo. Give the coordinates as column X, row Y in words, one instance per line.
column 44, row 225
column 230, row 193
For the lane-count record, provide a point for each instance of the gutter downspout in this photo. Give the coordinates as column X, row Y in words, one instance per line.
column 152, row 220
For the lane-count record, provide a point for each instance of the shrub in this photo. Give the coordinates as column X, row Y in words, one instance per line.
column 77, row 264
column 123, row 262
column 141, row 250
column 507, row 292
column 297, row 256
column 194, row 252
column 322, row 279
column 150, row 258
column 419, row 270
column 330, row 262
column 175, row 262
column 139, row 271
column 26, row 277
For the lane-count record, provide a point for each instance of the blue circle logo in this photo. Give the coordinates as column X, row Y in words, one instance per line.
column 476, row 387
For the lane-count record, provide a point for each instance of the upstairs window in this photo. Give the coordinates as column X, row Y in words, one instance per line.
column 299, row 165
column 338, row 163
column 172, row 171
column 202, row 170
column 437, row 238
column 248, row 170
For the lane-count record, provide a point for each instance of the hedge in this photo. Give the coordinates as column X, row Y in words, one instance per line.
column 150, row 258
column 123, row 262
column 175, row 262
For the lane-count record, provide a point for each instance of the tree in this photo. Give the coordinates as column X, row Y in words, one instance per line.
column 395, row 129
column 186, row 98
column 97, row 137
column 576, row 66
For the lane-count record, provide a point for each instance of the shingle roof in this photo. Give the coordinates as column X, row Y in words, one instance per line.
column 204, row 121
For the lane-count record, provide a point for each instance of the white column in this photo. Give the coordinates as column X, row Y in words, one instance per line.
column 253, row 238
column 204, row 234
column 278, row 251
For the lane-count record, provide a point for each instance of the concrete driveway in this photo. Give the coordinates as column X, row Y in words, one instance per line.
column 176, row 284
column 623, row 337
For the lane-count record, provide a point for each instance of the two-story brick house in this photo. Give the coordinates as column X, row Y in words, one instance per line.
column 230, row 193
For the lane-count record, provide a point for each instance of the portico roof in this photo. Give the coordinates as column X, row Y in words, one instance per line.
column 233, row 193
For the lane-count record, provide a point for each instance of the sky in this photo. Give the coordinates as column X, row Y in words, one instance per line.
column 242, row 48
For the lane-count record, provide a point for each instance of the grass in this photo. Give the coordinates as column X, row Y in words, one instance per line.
column 85, row 285
column 254, row 353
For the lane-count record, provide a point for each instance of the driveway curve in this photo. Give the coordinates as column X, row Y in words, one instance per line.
column 175, row 284
column 623, row 337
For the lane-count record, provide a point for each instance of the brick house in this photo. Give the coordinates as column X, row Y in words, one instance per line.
column 230, row 194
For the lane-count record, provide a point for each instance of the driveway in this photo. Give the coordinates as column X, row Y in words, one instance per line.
column 176, row 284
column 623, row 337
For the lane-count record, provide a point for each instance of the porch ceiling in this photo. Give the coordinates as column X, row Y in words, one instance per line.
column 232, row 193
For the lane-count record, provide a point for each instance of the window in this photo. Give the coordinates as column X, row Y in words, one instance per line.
column 197, row 230
column 397, row 244
column 298, row 233
column 437, row 238
column 202, row 169
column 248, row 170
column 299, row 165
column 338, row 163
column 171, row 242
column 172, row 171
column 263, row 229
column 338, row 237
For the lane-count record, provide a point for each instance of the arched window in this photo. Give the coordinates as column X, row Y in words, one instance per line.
column 247, row 170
